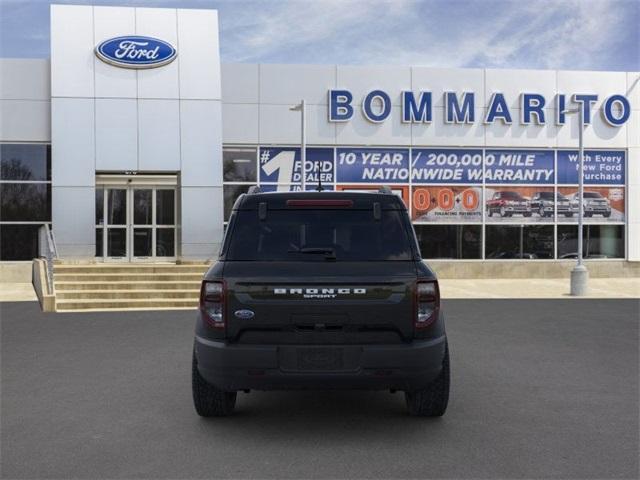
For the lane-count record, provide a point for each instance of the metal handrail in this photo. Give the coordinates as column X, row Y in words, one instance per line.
column 50, row 252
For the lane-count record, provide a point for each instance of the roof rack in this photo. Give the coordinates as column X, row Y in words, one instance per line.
column 254, row 189
column 385, row 189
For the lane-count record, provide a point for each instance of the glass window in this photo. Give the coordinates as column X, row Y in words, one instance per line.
column 25, row 202
column 598, row 241
column 450, row 241
column 142, row 242
column 117, row 207
column 142, row 206
column 165, row 242
column 117, row 242
column 99, row 242
column 25, row 162
column 231, row 194
column 18, row 242
column 318, row 235
column 239, row 164
column 165, row 207
column 99, row 206
column 529, row 242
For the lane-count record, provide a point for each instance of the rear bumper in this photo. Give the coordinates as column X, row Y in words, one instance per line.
column 286, row 367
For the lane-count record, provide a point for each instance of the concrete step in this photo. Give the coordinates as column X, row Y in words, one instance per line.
column 62, row 286
column 128, row 268
column 66, row 305
column 123, row 277
column 127, row 294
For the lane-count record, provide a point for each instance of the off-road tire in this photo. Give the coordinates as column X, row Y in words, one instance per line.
column 431, row 401
column 208, row 400
column 606, row 214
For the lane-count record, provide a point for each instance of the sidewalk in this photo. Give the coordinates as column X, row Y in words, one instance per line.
column 17, row 292
column 449, row 288
column 537, row 288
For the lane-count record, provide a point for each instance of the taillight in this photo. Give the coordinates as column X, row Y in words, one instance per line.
column 427, row 303
column 212, row 303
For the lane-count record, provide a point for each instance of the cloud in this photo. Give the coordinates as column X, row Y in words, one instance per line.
column 545, row 34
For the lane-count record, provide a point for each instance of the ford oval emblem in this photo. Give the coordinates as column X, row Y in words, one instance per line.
column 244, row 314
column 134, row 51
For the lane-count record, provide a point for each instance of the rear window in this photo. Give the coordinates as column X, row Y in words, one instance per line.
column 512, row 195
column 319, row 235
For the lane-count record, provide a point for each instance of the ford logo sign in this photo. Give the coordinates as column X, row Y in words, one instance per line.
column 134, row 51
column 244, row 314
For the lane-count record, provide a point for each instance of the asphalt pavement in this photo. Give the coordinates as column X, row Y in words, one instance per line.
column 540, row 389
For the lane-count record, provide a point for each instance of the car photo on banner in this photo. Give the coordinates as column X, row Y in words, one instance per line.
column 601, row 204
column 447, row 204
column 520, row 204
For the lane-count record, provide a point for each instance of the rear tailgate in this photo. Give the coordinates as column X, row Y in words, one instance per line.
column 319, row 302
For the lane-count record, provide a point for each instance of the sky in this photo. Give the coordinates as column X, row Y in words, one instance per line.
column 534, row 34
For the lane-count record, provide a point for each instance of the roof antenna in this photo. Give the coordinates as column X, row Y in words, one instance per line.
column 319, row 178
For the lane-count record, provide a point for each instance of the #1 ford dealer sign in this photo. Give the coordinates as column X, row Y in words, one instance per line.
column 134, row 51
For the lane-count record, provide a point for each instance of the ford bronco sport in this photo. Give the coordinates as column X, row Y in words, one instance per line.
column 320, row 290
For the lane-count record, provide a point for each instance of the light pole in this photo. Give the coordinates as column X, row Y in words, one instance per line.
column 580, row 274
column 303, row 139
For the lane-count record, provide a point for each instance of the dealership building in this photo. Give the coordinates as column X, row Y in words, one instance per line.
column 128, row 163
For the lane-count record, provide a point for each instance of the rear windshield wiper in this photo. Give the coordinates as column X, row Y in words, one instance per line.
column 330, row 253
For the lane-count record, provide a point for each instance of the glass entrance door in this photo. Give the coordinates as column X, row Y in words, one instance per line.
column 136, row 223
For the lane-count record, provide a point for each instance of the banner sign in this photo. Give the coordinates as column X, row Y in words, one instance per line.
column 447, row 204
column 518, row 166
column 601, row 204
column 284, row 166
column 600, row 167
column 372, row 165
column 435, row 165
column 310, row 187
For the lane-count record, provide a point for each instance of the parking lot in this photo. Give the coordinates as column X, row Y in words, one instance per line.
column 540, row 389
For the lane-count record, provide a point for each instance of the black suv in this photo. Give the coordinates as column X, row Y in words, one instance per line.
column 320, row 290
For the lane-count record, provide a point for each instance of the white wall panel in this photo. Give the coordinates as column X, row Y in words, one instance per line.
column 519, row 135
column 514, row 82
column 25, row 121
column 201, row 222
column 240, row 83
column 633, row 204
column 440, row 80
column 111, row 81
column 158, row 135
column 319, row 129
column 240, row 123
column 72, row 56
column 603, row 84
column 633, row 89
column 597, row 135
column 24, row 79
column 633, row 168
column 439, row 133
column 73, row 215
column 361, row 80
column 73, row 142
column 279, row 125
column 360, row 131
column 201, row 127
column 288, row 84
column 159, row 23
column 633, row 129
column 116, row 134
column 199, row 54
